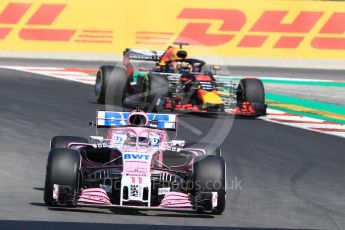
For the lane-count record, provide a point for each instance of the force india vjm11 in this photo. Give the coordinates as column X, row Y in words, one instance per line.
column 136, row 166
column 177, row 83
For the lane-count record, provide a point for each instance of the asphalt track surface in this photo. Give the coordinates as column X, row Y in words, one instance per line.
column 287, row 177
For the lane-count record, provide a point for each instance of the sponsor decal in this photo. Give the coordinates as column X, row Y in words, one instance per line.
column 119, row 139
column 98, row 198
column 163, row 191
column 269, row 22
column 289, row 29
column 136, row 156
column 155, row 139
column 136, row 180
column 135, row 191
column 202, row 78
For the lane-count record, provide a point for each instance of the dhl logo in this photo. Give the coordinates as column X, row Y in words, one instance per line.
column 42, row 21
column 291, row 35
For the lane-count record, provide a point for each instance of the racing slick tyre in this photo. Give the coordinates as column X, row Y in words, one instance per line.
column 117, row 88
column 209, row 176
column 103, row 74
column 253, row 91
column 63, row 141
column 158, row 90
column 211, row 149
column 62, row 169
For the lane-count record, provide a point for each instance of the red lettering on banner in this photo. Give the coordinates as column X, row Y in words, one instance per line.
column 44, row 17
column 46, row 14
column 46, row 34
column 13, row 13
column 288, row 42
column 270, row 21
column 196, row 33
column 329, row 43
column 334, row 25
column 4, row 32
column 252, row 41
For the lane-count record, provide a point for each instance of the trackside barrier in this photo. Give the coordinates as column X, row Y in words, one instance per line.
column 275, row 29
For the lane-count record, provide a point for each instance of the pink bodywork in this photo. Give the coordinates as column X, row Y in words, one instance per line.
column 94, row 196
column 137, row 168
column 171, row 200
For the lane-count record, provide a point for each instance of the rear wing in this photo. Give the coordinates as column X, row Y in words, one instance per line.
column 107, row 119
column 143, row 55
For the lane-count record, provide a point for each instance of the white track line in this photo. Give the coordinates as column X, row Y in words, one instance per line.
column 312, row 124
column 61, row 73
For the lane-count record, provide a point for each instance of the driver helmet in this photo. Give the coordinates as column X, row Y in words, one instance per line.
column 169, row 55
column 144, row 139
column 175, row 63
column 131, row 139
column 184, row 67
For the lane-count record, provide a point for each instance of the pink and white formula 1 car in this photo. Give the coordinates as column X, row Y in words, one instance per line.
column 136, row 166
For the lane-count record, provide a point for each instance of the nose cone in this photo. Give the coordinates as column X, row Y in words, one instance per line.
column 210, row 97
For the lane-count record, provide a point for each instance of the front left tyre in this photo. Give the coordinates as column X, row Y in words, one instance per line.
column 209, row 176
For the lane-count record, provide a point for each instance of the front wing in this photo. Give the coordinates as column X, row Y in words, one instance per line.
column 246, row 109
column 98, row 198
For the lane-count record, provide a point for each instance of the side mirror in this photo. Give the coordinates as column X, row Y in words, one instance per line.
column 96, row 139
column 142, row 69
column 92, row 123
column 215, row 68
column 179, row 143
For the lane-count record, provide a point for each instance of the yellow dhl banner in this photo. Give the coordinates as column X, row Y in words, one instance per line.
column 287, row 29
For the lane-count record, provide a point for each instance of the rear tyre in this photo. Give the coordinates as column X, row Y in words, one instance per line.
column 117, row 88
column 62, row 169
column 102, row 77
column 63, row 141
column 209, row 176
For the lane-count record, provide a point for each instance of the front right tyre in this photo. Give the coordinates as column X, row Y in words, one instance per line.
column 63, row 168
column 63, row 141
column 253, row 91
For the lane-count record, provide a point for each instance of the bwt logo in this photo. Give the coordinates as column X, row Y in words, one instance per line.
column 131, row 156
column 330, row 36
column 42, row 20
